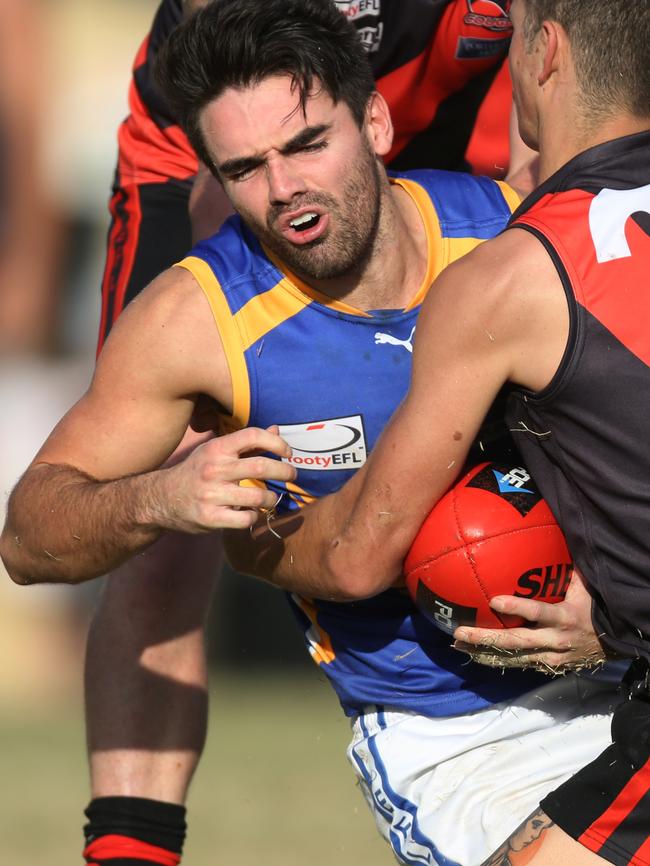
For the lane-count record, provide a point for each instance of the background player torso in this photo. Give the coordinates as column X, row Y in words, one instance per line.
column 331, row 376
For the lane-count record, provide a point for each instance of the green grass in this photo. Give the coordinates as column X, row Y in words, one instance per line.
column 274, row 786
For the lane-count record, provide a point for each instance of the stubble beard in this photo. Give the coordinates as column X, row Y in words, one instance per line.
column 346, row 248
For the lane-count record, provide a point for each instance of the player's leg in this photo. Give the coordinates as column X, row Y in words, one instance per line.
column 451, row 789
column 146, row 676
column 539, row 841
column 147, row 699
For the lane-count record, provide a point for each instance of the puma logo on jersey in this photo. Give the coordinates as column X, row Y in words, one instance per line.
column 608, row 215
column 381, row 338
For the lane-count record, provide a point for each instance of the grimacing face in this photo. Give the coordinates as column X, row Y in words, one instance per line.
column 308, row 184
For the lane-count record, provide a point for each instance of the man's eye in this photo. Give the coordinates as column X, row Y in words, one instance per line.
column 241, row 175
column 313, row 147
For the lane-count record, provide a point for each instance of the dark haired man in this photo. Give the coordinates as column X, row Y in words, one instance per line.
column 559, row 307
column 316, row 287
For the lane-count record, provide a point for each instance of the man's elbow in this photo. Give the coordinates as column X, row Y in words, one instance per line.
column 11, row 562
column 354, row 574
column 24, row 570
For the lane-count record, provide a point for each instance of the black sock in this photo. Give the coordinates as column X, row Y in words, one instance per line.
column 148, row 822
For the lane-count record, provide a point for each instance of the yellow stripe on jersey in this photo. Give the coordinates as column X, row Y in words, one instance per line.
column 266, row 311
column 320, row 644
column 299, row 496
column 512, row 197
column 230, row 337
column 308, row 293
column 436, row 250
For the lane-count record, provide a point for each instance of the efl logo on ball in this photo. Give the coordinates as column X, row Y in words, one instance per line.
column 491, row 534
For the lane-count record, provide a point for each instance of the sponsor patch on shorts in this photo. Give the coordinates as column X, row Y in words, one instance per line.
column 334, row 444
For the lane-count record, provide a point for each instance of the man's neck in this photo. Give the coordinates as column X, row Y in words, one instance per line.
column 395, row 268
column 561, row 142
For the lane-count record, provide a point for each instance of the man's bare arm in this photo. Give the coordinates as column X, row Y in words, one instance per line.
column 94, row 495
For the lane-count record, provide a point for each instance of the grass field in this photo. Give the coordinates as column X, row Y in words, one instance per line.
column 274, row 786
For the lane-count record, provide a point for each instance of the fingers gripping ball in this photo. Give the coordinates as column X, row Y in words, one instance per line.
column 491, row 534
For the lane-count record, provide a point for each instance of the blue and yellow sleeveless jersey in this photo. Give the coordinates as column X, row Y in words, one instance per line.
column 331, row 375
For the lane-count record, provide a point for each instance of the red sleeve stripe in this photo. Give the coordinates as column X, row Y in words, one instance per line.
column 115, row 847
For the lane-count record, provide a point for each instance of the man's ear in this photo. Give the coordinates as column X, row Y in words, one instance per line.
column 552, row 43
column 379, row 125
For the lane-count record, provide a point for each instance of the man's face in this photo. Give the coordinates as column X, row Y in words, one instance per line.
column 308, row 184
column 523, row 59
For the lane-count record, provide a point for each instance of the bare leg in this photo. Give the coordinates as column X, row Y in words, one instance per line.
column 540, row 842
column 146, row 675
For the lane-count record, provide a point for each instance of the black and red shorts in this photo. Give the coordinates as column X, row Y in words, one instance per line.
column 606, row 806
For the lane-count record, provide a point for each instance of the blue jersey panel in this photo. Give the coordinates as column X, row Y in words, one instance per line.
column 467, row 206
column 383, row 651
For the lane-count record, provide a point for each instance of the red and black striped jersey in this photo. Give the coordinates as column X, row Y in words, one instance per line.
column 434, row 61
column 585, row 436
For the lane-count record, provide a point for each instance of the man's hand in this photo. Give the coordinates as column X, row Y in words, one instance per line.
column 203, row 492
column 560, row 637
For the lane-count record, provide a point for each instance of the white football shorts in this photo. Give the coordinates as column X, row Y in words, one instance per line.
column 449, row 791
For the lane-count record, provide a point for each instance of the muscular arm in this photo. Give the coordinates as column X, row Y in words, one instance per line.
column 475, row 332
column 93, row 495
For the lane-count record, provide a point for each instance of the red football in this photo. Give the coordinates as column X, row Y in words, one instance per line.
column 491, row 534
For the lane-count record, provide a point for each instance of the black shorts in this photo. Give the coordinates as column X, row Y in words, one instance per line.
column 606, row 806
column 150, row 231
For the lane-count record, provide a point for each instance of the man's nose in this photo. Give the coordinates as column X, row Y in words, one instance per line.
column 284, row 181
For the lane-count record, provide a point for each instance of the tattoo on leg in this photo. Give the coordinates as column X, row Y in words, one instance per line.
column 525, row 834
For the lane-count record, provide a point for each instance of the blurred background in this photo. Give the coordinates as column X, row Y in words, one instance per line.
column 274, row 784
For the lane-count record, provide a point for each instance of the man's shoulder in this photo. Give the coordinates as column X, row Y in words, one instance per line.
column 170, row 329
column 510, row 274
column 170, row 303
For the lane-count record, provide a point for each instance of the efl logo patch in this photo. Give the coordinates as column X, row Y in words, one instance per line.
column 321, row 446
column 358, row 8
column 512, row 483
column 489, row 15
